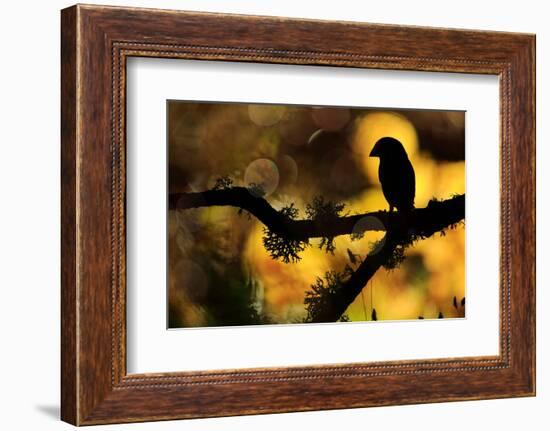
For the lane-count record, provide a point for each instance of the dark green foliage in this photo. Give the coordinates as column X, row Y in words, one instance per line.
column 290, row 211
column 323, row 291
column 396, row 258
column 281, row 247
column 223, row 183
column 324, row 212
column 321, row 210
column 229, row 297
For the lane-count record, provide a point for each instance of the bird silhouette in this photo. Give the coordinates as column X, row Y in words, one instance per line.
column 396, row 174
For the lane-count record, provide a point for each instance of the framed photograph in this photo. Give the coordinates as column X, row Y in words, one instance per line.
column 263, row 215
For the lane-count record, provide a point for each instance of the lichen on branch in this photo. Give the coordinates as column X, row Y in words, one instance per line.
column 286, row 236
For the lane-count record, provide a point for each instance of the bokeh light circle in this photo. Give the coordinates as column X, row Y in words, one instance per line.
column 263, row 173
column 315, row 136
column 331, row 119
column 265, row 115
column 369, row 224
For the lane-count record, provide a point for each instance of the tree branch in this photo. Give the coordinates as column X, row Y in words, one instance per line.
column 329, row 303
column 330, row 306
column 423, row 221
column 328, row 300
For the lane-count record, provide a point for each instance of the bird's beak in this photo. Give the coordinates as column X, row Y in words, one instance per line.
column 374, row 152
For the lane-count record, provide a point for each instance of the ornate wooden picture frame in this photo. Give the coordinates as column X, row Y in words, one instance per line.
column 96, row 41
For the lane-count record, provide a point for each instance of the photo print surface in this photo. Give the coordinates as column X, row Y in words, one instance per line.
column 286, row 214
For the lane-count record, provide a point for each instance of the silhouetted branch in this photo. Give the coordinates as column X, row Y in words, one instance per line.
column 285, row 234
column 330, row 299
column 423, row 221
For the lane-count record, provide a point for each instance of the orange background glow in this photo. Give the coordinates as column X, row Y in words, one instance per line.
column 216, row 256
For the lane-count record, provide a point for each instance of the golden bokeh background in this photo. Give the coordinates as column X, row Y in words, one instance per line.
column 219, row 272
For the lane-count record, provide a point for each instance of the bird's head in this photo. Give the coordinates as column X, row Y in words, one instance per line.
column 388, row 147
